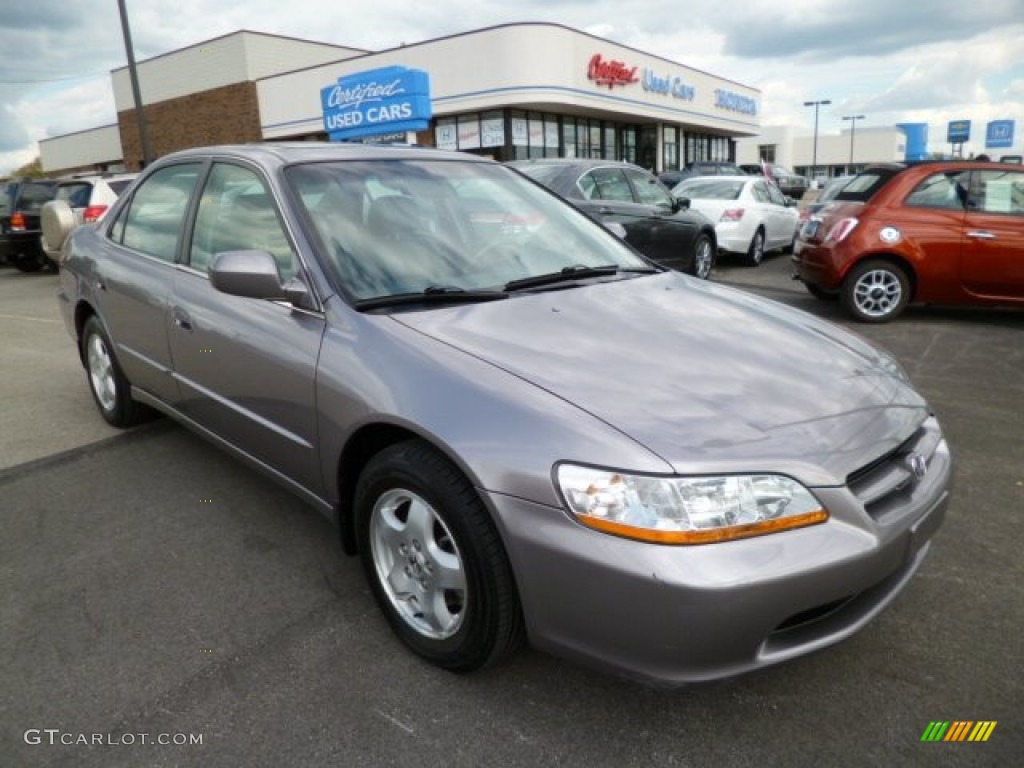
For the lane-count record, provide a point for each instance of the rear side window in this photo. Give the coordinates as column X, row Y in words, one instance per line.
column 940, row 190
column 119, row 186
column 153, row 221
column 76, row 195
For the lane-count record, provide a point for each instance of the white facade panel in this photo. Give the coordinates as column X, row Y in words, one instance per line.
column 269, row 55
column 74, row 150
column 199, row 67
column 870, row 145
column 543, row 66
column 234, row 58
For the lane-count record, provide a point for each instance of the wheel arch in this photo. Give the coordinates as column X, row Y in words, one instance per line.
column 362, row 445
column 892, row 258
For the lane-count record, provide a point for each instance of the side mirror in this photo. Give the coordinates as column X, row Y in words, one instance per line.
column 790, row 202
column 683, row 202
column 254, row 275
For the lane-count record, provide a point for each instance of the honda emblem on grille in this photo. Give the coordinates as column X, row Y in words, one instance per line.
column 917, row 464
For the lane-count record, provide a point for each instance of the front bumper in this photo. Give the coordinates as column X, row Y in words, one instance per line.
column 674, row 614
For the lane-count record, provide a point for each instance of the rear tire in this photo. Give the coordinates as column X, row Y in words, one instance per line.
column 434, row 560
column 755, row 253
column 875, row 291
column 110, row 389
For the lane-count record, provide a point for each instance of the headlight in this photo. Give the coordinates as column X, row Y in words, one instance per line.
column 687, row 510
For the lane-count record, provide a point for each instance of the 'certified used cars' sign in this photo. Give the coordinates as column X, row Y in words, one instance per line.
column 379, row 101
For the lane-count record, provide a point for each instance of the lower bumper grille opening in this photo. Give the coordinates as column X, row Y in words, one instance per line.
column 812, row 615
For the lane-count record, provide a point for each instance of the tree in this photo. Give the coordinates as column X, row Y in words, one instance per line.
column 32, row 170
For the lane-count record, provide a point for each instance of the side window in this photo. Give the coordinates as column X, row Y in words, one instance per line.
column 940, row 190
column 609, row 184
column 237, row 213
column 761, row 192
column 648, row 190
column 153, row 221
column 997, row 192
column 776, row 196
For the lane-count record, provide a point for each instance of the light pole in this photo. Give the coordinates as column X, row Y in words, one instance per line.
column 133, row 74
column 814, row 161
column 853, row 127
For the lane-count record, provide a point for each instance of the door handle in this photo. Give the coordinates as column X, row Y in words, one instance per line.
column 605, row 211
column 181, row 319
column 981, row 234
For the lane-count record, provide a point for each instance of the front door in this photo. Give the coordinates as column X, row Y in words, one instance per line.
column 992, row 257
column 247, row 367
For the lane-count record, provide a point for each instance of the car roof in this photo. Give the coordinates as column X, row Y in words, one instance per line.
column 572, row 162
column 288, row 153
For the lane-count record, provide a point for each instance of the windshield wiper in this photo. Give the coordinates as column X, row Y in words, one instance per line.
column 433, row 294
column 570, row 273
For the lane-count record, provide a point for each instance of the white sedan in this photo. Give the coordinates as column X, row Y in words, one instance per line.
column 751, row 216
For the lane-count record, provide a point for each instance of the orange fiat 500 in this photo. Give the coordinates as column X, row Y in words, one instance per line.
column 933, row 233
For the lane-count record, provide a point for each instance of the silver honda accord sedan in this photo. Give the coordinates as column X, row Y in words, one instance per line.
column 525, row 429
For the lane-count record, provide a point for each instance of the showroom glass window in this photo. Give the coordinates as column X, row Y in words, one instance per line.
column 152, row 222
column 237, row 213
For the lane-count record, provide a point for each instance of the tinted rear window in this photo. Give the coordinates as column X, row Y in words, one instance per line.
column 545, row 174
column 33, row 195
column 710, row 189
column 863, row 186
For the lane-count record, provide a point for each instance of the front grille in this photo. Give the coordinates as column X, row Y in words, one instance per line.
column 884, row 485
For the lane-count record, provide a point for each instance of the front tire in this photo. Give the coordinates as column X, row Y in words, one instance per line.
column 755, row 253
column 434, row 559
column 110, row 389
column 875, row 291
column 703, row 257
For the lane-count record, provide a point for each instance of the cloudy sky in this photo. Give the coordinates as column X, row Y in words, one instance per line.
column 893, row 61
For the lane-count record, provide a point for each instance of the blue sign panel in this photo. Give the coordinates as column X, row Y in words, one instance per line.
column 375, row 102
column 959, row 131
column 999, row 133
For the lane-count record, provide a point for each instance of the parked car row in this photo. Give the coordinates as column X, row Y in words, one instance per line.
column 524, row 428
column 25, row 208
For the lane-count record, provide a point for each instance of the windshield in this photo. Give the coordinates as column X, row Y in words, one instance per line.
column 392, row 227
column 709, row 189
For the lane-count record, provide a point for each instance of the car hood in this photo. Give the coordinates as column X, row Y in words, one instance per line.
column 709, row 378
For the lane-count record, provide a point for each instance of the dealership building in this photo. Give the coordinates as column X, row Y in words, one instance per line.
column 511, row 91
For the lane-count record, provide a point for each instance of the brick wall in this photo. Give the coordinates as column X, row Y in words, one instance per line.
column 227, row 115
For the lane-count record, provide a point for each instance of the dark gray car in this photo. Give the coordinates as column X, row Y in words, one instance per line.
column 631, row 200
column 524, row 429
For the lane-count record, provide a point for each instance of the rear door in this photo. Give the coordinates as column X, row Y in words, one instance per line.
column 132, row 283
column 992, row 258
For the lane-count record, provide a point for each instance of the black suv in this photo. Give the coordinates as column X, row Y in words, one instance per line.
column 19, row 222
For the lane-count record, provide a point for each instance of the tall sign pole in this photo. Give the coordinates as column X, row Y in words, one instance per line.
column 140, row 116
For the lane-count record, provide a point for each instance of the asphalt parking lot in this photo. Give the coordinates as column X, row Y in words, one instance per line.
column 151, row 585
